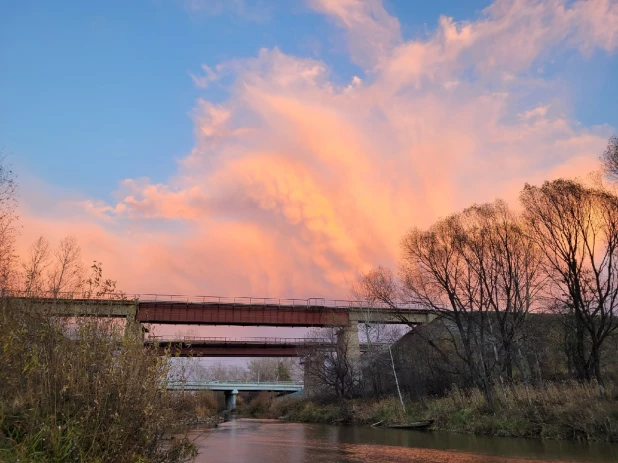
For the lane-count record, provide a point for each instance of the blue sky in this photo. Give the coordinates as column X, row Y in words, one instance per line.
column 327, row 129
column 95, row 92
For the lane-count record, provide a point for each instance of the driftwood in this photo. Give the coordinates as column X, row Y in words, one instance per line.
column 377, row 424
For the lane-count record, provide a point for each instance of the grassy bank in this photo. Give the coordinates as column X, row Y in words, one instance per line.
column 357, row 412
column 554, row 411
column 571, row 410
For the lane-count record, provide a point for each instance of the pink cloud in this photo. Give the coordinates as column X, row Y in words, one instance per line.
column 296, row 184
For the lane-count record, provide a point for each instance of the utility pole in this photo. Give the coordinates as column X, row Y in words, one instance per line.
column 396, row 380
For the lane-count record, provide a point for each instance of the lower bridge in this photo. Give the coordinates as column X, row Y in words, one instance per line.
column 246, row 347
column 232, row 388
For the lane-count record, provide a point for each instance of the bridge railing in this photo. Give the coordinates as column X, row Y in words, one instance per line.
column 71, row 296
column 279, row 302
column 218, row 300
column 247, row 340
column 228, row 382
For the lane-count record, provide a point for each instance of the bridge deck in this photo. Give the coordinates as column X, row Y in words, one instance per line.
column 239, row 386
column 272, row 312
column 207, row 310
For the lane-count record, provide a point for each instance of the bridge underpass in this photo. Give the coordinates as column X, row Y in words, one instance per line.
column 232, row 388
column 139, row 310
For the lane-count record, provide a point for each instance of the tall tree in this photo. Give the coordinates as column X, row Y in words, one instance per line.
column 8, row 229
column 507, row 265
column 374, row 289
column 478, row 272
column 67, row 272
column 334, row 370
column 283, row 372
column 610, row 158
column 576, row 227
column 35, row 265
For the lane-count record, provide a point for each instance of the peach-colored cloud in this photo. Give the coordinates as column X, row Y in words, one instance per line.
column 296, row 183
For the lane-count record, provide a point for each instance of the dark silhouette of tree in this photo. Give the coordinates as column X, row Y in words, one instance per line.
column 8, row 229
column 334, row 370
column 576, row 228
column 610, row 158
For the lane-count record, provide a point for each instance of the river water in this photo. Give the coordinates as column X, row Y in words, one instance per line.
column 272, row 441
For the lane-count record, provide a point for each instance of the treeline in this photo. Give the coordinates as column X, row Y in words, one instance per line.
column 518, row 296
column 493, row 276
column 256, row 369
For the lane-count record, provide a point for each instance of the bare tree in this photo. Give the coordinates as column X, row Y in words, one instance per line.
column 506, row 262
column 610, row 158
column 8, row 230
column 271, row 369
column 436, row 274
column 479, row 273
column 378, row 287
column 34, row 266
column 333, row 369
column 67, row 272
column 576, row 227
column 218, row 371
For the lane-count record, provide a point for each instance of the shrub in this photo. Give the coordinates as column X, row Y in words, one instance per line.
column 260, row 405
column 79, row 390
column 191, row 407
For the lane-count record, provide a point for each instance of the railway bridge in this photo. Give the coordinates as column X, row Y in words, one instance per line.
column 145, row 309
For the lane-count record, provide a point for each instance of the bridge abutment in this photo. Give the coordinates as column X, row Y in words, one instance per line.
column 132, row 327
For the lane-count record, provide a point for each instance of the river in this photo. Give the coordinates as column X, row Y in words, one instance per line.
column 272, row 441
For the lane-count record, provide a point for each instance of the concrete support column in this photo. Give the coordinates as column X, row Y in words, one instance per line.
column 230, row 400
column 132, row 327
column 347, row 340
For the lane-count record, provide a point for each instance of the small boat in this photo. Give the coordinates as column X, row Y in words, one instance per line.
column 415, row 425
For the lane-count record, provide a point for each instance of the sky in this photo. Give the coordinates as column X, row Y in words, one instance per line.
column 272, row 148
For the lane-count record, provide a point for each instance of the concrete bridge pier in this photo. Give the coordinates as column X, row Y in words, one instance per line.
column 348, row 343
column 132, row 327
column 230, row 400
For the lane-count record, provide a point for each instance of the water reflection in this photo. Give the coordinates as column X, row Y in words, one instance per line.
column 268, row 441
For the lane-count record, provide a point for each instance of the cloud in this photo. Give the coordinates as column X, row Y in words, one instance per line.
column 297, row 183
column 206, row 79
column 372, row 32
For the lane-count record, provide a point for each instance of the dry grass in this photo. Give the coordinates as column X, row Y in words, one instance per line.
column 568, row 410
column 356, row 411
column 81, row 391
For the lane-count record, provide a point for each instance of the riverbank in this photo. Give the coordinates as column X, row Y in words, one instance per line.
column 84, row 390
column 569, row 411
